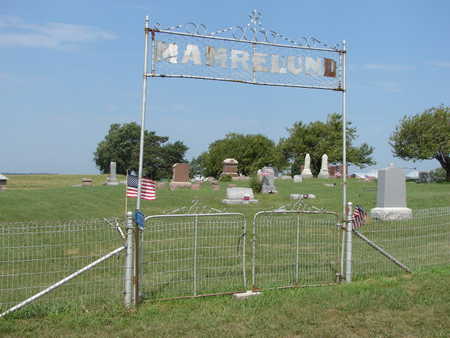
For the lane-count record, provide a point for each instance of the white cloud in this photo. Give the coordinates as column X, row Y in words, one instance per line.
column 387, row 67
column 392, row 87
column 58, row 35
column 441, row 64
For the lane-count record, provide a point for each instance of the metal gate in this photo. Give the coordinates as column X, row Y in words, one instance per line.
column 189, row 255
column 295, row 248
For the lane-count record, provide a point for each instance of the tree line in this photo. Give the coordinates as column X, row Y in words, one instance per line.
column 417, row 137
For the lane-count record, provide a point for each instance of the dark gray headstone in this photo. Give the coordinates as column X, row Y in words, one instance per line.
column 424, row 177
column 268, row 181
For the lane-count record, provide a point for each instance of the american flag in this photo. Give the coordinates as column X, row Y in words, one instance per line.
column 359, row 217
column 148, row 188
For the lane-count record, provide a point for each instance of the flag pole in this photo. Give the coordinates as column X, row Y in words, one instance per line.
column 144, row 103
column 126, row 198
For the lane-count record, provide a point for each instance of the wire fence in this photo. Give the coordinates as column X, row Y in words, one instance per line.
column 194, row 254
column 34, row 256
column 422, row 241
column 295, row 248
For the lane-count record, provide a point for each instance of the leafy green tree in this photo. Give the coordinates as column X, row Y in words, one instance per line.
column 318, row 138
column 424, row 136
column 251, row 151
column 121, row 145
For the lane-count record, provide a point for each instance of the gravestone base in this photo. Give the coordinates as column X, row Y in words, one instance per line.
column 234, row 201
column 323, row 174
column 298, row 179
column 175, row 185
column 301, row 196
column 306, row 173
column 391, row 214
column 111, row 182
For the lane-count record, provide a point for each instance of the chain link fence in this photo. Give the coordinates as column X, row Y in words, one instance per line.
column 33, row 256
column 422, row 241
column 295, row 248
column 193, row 254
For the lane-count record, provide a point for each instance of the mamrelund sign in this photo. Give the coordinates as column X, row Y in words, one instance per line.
column 241, row 59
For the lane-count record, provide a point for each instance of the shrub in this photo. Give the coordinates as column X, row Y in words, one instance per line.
column 438, row 175
column 225, row 178
column 255, row 184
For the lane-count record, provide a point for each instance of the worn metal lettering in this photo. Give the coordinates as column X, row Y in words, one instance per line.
column 259, row 62
column 216, row 57
column 239, row 57
column 166, row 52
column 192, row 54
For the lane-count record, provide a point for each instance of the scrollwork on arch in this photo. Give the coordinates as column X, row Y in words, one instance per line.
column 251, row 32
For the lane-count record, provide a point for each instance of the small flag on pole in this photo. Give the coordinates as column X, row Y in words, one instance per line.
column 148, row 188
column 359, row 217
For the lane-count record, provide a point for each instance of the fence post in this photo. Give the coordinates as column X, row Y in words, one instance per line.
column 195, row 254
column 129, row 299
column 348, row 243
column 297, row 258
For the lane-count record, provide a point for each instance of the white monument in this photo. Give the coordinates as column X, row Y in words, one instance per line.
column 391, row 195
column 239, row 195
column 306, row 173
column 112, row 178
column 324, row 167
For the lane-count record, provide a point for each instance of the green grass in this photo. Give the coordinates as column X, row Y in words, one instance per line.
column 401, row 305
column 53, row 197
column 406, row 306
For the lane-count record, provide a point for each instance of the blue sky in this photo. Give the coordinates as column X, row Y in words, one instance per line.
column 69, row 69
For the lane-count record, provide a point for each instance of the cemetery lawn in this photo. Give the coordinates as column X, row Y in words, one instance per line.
column 54, row 197
column 416, row 305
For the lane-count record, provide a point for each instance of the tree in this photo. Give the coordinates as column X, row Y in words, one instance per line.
column 121, row 145
column 318, row 138
column 424, row 136
column 251, row 151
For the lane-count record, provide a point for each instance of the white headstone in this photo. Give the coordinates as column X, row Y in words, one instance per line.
column 324, row 167
column 306, row 173
column 112, row 179
column 239, row 195
column 298, row 179
column 391, row 195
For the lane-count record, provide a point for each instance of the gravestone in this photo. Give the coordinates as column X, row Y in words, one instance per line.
column 301, row 196
column 160, row 185
column 180, row 172
column 3, row 182
column 306, row 173
column 268, row 179
column 391, row 195
column 86, row 182
column 324, row 167
column 180, row 176
column 239, row 195
column 424, row 177
column 195, row 186
column 112, row 178
column 230, row 167
column 298, row 179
